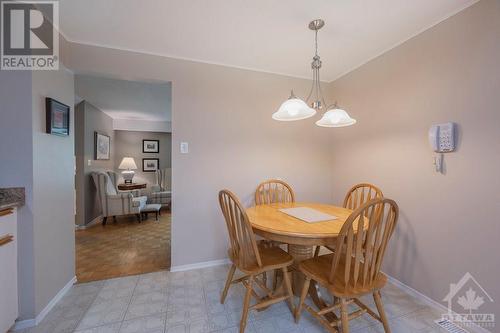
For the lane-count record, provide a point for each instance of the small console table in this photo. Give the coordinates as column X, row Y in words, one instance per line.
column 130, row 187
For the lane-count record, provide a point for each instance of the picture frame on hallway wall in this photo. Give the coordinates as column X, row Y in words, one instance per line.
column 151, row 146
column 56, row 117
column 102, row 146
column 150, row 164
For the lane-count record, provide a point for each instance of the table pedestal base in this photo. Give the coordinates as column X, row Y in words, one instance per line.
column 301, row 253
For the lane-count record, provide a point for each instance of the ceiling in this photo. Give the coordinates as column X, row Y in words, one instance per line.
column 263, row 35
column 122, row 99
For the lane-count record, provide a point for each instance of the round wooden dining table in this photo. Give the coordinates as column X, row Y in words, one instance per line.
column 302, row 237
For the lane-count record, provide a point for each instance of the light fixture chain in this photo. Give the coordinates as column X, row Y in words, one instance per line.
column 316, row 42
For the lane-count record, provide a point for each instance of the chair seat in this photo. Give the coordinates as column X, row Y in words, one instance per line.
column 318, row 269
column 151, row 208
column 271, row 257
column 161, row 197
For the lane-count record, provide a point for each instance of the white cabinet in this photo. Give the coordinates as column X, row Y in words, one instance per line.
column 8, row 269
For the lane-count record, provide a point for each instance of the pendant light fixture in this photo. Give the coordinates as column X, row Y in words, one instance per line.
column 335, row 117
column 293, row 109
column 296, row 109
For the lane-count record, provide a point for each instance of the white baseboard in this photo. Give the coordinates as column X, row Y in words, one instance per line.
column 27, row 323
column 23, row 324
column 430, row 302
column 204, row 264
column 95, row 221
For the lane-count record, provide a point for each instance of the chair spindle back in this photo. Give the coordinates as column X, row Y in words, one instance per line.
column 244, row 249
column 362, row 242
column 274, row 191
column 360, row 194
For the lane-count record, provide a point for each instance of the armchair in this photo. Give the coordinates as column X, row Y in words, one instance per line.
column 161, row 193
column 114, row 203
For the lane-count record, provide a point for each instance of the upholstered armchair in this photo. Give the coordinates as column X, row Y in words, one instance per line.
column 114, row 203
column 161, row 193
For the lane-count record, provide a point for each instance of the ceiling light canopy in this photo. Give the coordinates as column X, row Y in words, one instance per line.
column 296, row 109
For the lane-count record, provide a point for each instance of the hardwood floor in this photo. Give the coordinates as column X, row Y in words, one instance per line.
column 123, row 248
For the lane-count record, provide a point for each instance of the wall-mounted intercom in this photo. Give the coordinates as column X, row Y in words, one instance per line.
column 442, row 139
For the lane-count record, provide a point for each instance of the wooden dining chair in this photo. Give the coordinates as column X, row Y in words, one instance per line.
column 252, row 259
column 274, row 191
column 269, row 192
column 358, row 195
column 353, row 270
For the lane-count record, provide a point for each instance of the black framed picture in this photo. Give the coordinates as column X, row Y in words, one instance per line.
column 56, row 117
column 150, row 164
column 150, row 146
column 101, row 146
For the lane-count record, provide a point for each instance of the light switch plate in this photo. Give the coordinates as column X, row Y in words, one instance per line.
column 184, row 148
column 89, row 162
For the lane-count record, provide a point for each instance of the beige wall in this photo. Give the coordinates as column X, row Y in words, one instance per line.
column 449, row 222
column 53, row 190
column 225, row 115
column 44, row 165
column 129, row 144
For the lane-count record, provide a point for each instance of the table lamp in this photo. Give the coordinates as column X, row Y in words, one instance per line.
column 128, row 165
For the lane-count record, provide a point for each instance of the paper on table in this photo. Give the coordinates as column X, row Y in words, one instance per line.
column 308, row 215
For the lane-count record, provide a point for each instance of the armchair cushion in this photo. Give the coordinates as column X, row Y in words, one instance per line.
column 110, row 187
column 139, row 202
column 162, row 198
column 155, row 188
column 163, row 179
column 161, row 192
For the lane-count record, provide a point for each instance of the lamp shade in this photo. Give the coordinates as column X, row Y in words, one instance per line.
column 127, row 163
column 293, row 109
column 336, row 118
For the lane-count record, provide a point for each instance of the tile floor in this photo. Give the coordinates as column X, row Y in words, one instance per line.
column 165, row 302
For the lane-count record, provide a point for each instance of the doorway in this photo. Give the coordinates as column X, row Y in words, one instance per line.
column 123, row 171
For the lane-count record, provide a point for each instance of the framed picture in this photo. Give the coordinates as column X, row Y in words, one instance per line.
column 150, row 146
column 56, row 117
column 102, row 146
column 150, row 164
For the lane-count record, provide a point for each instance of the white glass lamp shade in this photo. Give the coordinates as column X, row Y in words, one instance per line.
column 127, row 163
column 336, row 118
column 293, row 109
